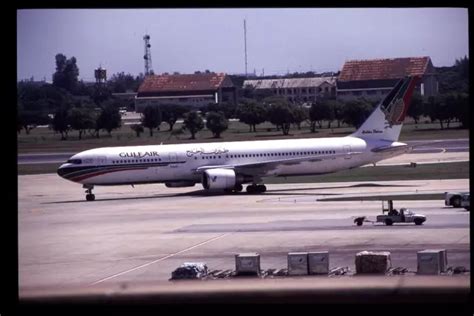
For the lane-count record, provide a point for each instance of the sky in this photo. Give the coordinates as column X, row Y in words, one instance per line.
column 278, row 40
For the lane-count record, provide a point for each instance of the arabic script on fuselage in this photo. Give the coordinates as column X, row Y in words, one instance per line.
column 202, row 151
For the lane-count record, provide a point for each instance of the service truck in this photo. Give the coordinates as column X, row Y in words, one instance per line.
column 454, row 198
column 393, row 216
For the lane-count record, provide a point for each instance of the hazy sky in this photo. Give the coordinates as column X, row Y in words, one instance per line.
column 278, row 40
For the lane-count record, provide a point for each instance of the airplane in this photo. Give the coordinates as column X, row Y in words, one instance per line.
column 226, row 166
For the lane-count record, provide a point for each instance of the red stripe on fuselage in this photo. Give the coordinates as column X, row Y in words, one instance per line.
column 98, row 173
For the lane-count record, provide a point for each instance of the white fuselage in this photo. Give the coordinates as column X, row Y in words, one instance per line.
column 178, row 163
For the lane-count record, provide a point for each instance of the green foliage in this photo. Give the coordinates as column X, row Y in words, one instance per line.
column 44, row 97
column 216, row 123
column 280, row 113
column 454, row 78
column 101, row 94
column 440, row 108
column 137, row 128
column 416, row 108
column 447, row 107
column 151, row 118
column 251, row 113
column 228, row 109
column 66, row 73
column 193, row 123
column 324, row 110
column 81, row 119
column 30, row 119
column 121, row 82
column 60, row 122
column 462, row 109
column 171, row 112
column 300, row 114
column 356, row 112
column 109, row 119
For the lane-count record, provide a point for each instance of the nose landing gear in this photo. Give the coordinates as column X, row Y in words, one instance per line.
column 89, row 195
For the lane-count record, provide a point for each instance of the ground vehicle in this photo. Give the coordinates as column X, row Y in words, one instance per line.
column 404, row 216
column 394, row 216
column 454, row 198
column 465, row 201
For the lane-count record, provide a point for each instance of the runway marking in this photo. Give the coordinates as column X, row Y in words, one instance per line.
column 160, row 259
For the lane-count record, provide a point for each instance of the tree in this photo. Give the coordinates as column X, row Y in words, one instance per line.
column 81, row 119
column 171, row 112
column 251, row 113
column 356, row 112
column 462, row 109
column 100, row 94
column 227, row 108
column 121, row 82
column 66, row 73
column 440, row 108
column 415, row 110
column 300, row 114
column 338, row 109
column 321, row 111
column 332, row 106
column 44, row 97
column 217, row 123
column 109, row 119
column 151, row 118
column 28, row 120
column 193, row 123
column 454, row 78
column 281, row 114
column 61, row 122
column 137, row 128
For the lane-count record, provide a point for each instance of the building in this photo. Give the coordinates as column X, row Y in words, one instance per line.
column 192, row 90
column 373, row 79
column 296, row 89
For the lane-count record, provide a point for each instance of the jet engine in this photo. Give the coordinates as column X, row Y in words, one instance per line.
column 218, row 179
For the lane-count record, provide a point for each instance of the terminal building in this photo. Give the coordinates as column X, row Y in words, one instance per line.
column 373, row 79
column 193, row 90
column 296, row 89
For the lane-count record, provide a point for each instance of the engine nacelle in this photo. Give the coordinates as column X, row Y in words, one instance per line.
column 180, row 184
column 218, row 179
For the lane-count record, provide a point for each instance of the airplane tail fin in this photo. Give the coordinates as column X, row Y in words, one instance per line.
column 385, row 122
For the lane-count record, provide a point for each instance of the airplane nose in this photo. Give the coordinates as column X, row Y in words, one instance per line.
column 62, row 170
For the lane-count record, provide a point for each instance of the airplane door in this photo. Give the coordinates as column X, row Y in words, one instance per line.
column 173, row 158
column 346, row 150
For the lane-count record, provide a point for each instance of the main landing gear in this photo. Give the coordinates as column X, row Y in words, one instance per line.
column 237, row 188
column 256, row 188
column 89, row 195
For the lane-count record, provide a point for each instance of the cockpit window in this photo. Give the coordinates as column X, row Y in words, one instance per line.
column 75, row 161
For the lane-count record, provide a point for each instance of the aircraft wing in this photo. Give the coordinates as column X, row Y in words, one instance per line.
column 262, row 167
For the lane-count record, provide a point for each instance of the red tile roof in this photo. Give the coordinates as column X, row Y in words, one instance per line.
column 377, row 69
column 193, row 82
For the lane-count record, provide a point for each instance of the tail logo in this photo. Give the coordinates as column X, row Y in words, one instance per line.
column 394, row 112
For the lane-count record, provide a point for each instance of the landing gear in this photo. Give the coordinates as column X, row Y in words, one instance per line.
column 89, row 195
column 237, row 188
column 256, row 188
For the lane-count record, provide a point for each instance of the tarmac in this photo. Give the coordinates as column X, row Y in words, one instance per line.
column 141, row 234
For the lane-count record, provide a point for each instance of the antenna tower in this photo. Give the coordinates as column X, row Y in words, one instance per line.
column 147, row 56
column 245, row 44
